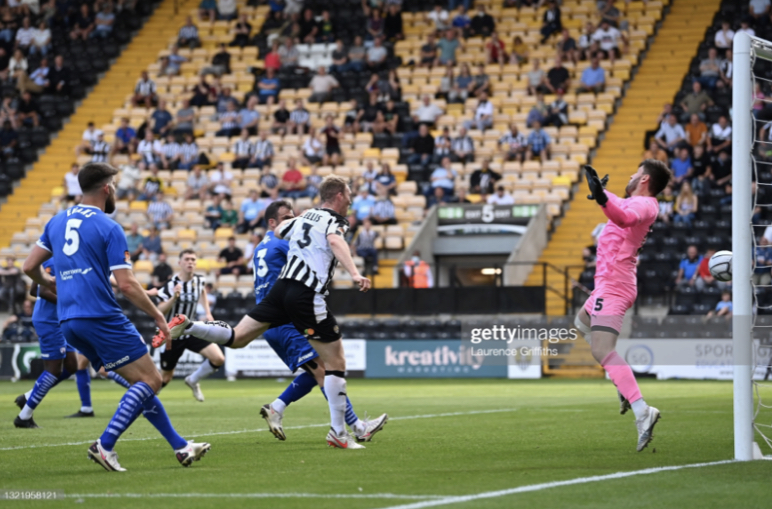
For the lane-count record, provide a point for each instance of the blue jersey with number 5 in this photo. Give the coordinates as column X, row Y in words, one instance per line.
column 269, row 258
column 86, row 246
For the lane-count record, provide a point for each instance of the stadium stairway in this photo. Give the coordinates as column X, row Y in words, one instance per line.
column 659, row 78
column 109, row 93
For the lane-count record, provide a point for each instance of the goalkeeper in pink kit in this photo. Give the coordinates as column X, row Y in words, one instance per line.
column 600, row 320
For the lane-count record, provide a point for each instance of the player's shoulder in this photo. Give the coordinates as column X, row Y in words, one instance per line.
column 328, row 214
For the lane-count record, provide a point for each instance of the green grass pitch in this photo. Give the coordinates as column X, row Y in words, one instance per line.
column 446, row 438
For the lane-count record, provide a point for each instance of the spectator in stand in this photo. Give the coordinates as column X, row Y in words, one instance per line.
column 513, row 144
column 537, row 79
column 687, row 270
column 383, row 211
column 356, row 55
column 9, row 140
column 723, row 307
column 19, row 327
column 312, row 150
column 230, row 217
column 273, row 58
column 188, row 153
column 321, row 86
column 670, row 135
column 224, row 98
column 439, row 18
column 293, row 184
column 250, row 213
column 551, row 22
column 444, row 176
column 696, row 130
column 363, row 204
column 448, row 46
column 243, row 150
column 233, row 258
column 162, row 119
column 72, row 191
column 585, row 43
column 221, row 64
column 682, row 166
column 593, row 78
column 326, row 29
column 385, row 180
column 144, row 91
column 37, row 82
column 700, row 170
column 759, row 9
column 159, row 212
column 442, row 145
column 262, row 152
column 557, row 111
column 280, row 118
column 483, row 115
column 482, row 83
column 151, row 245
column 220, row 181
column 203, row 94
column 374, row 26
column 41, row 40
column 59, row 77
column 308, row 27
column 103, row 21
column 612, row 15
column 249, row 116
column 686, row 205
column 207, row 9
column 226, row 10
column 83, row 25
column 100, row 150
column 482, row 24
column 710, row 70
column 364, row 245
column 483, row 179
column 332, row 153
column 567, row 47
column 724, row 37
column 607, row 38
column 289, row 55
column 197, row 184
column 429, row 52
column 655, row 152
column 268, row 87
column 162, row 272
column 438, row 197
column 299, row 119
column 25, row 35
column 558, row 77
column 229, row 121
column 462, row 21
column 422, row 147
column 173, row 62
column 392, row 24
column 339, row 58
column 241, row 32
column 428, row 113
column 666, row 202
column 538, row 143
column 213, row 213
column 130, row 177
column 376, row 56
column 761, row 272
column 134, row 242
column 125, row 139
column 184, row 123
column 495, row 50
column 500, row 197
column 721, row 169
column 720, row 136
column 745, row 26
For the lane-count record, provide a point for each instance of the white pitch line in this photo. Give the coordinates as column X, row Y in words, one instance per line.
column 238, row 432
column 549, row 485
column 257, row 495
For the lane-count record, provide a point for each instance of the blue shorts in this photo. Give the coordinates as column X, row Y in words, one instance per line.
column 290, row 345
column 53, row 346
column 111, row 342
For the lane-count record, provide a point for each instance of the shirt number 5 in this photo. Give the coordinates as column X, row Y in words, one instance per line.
column 72, row 237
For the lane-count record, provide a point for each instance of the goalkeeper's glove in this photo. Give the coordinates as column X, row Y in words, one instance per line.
column 596, row 185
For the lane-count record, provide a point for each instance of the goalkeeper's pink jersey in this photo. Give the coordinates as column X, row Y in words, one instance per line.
column 623, row 237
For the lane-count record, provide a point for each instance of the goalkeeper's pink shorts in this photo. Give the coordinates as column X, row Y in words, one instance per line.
column 607, row 305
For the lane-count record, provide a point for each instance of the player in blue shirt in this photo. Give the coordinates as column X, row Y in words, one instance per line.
column 59, row 359
column 86, row 246
column 292, row 347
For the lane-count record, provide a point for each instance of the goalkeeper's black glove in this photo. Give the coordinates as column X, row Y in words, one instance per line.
column 597, row 186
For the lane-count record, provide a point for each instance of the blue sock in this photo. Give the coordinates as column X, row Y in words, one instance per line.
column 156, row 413
column 128, row 409
column 300, row 386
column 351, row 416
column 45, row 382
column 115, row 377
column 83, row 379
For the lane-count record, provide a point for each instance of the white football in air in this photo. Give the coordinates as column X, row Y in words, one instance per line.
column 720, row 265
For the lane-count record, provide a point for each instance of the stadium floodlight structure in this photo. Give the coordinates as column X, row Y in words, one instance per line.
column 746, row 51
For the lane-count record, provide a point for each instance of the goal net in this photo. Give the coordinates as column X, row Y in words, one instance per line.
column 751, row 290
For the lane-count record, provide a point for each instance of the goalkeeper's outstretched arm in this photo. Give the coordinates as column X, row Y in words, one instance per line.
column 624, row 218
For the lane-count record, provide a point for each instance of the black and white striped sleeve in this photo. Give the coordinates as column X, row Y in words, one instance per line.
column 283, row 231
column 336, row 227
column 166, row 291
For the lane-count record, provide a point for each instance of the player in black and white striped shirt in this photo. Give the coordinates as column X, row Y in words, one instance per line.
column 316, row 244
column 299, row 119
column 181, row 295
column 100, row 149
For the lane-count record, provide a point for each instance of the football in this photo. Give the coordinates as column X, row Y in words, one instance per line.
column 720, row 265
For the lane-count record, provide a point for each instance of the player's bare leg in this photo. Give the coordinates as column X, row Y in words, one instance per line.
column 214, row 359
column 603, row 341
